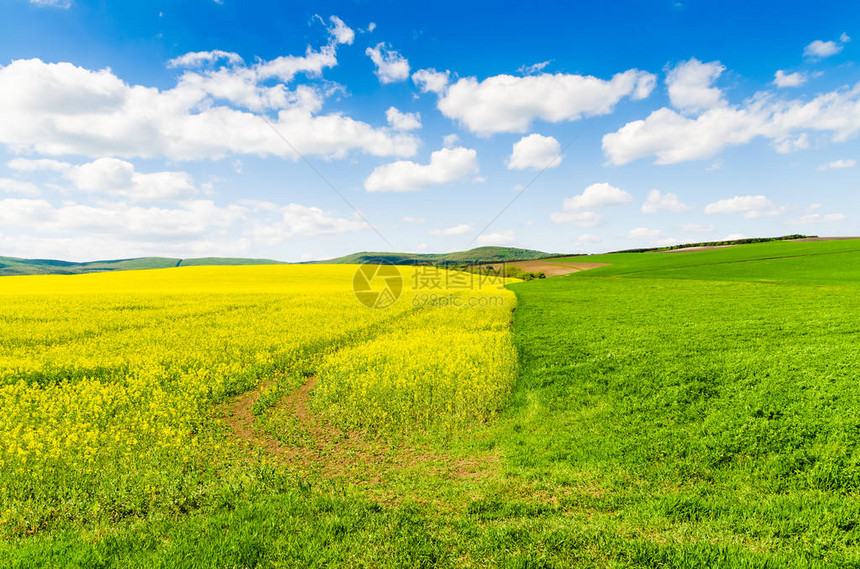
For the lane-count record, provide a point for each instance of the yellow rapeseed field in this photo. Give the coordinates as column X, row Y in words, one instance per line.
column 107, row 381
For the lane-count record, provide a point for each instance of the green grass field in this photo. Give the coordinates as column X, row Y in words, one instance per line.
column 694, row 409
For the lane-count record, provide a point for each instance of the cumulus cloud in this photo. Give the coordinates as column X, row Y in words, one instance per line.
column 119, row 220
column 814, row 218
column 402, row 121
column 657, row 201
column 298, row 220
column 191, row 228
column 460, row 229
column 838, row 164
column 10, row 186
column 697, row 228
column 431, row 81
column 391, row 67
column 643, row 233
column 117, row 178
column 64, row 4
column 446, row 165
column 578, row 218
column 535, row 151
column 751, row 207
column 340, row 32
column 597, row 196
column 532, row 69
column 690, row 87
column 672, row 137
column 819, row 49
column 450, row 140
column 782, row 79
column 586, row 238
column 200, row 58
column 505, row 237
column 60, row 108
column 505, row 103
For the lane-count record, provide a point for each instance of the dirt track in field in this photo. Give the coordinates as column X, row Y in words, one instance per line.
column 336, row 453
column 550, row 268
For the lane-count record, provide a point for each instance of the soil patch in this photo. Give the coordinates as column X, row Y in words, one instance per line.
column 551, row 268
column 315, row 445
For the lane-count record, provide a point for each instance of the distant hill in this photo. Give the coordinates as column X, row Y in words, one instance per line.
column 743, row 241
column 472, row 256
column 15, row 266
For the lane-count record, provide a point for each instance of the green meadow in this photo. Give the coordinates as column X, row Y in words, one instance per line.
column 685, row 409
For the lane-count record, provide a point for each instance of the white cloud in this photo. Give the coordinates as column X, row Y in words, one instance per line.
column 505, row 103
column 578, row 218
column 191, row 219
column 782, row 79
column 597, row 196
column 505, row 237
column 286, row 67
column 697, row 228
column 59, row 108
column 431, row 81
column 192, row 228
column 460, row 229
column 690, row 87
column 64, row 4
column 10, row 186
column 814, row 218
column 672, row 137
column 586, row 238
column 450, row 140
column 535, row 151
column 296, row 219
column 391, row 67
column 657, row 200
column 116, row 177
column 402, row 121
column 643, row 233
column 752, row 207
column 733, row 237
column 820, row 49
column 446, row 165
column 532, row 69
column 340, row 32
column 35, row 165
column 837, row 164
column 200, row 58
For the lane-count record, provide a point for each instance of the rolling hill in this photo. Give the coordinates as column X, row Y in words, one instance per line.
column 15, row 266
column 472, row 256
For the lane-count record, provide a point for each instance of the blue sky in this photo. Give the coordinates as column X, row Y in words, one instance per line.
column 158, row 128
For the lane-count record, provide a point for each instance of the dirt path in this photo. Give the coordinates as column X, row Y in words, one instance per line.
column 314, row 445
column 552, row 269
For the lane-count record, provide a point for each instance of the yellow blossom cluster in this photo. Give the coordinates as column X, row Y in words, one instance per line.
column 107, row 380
